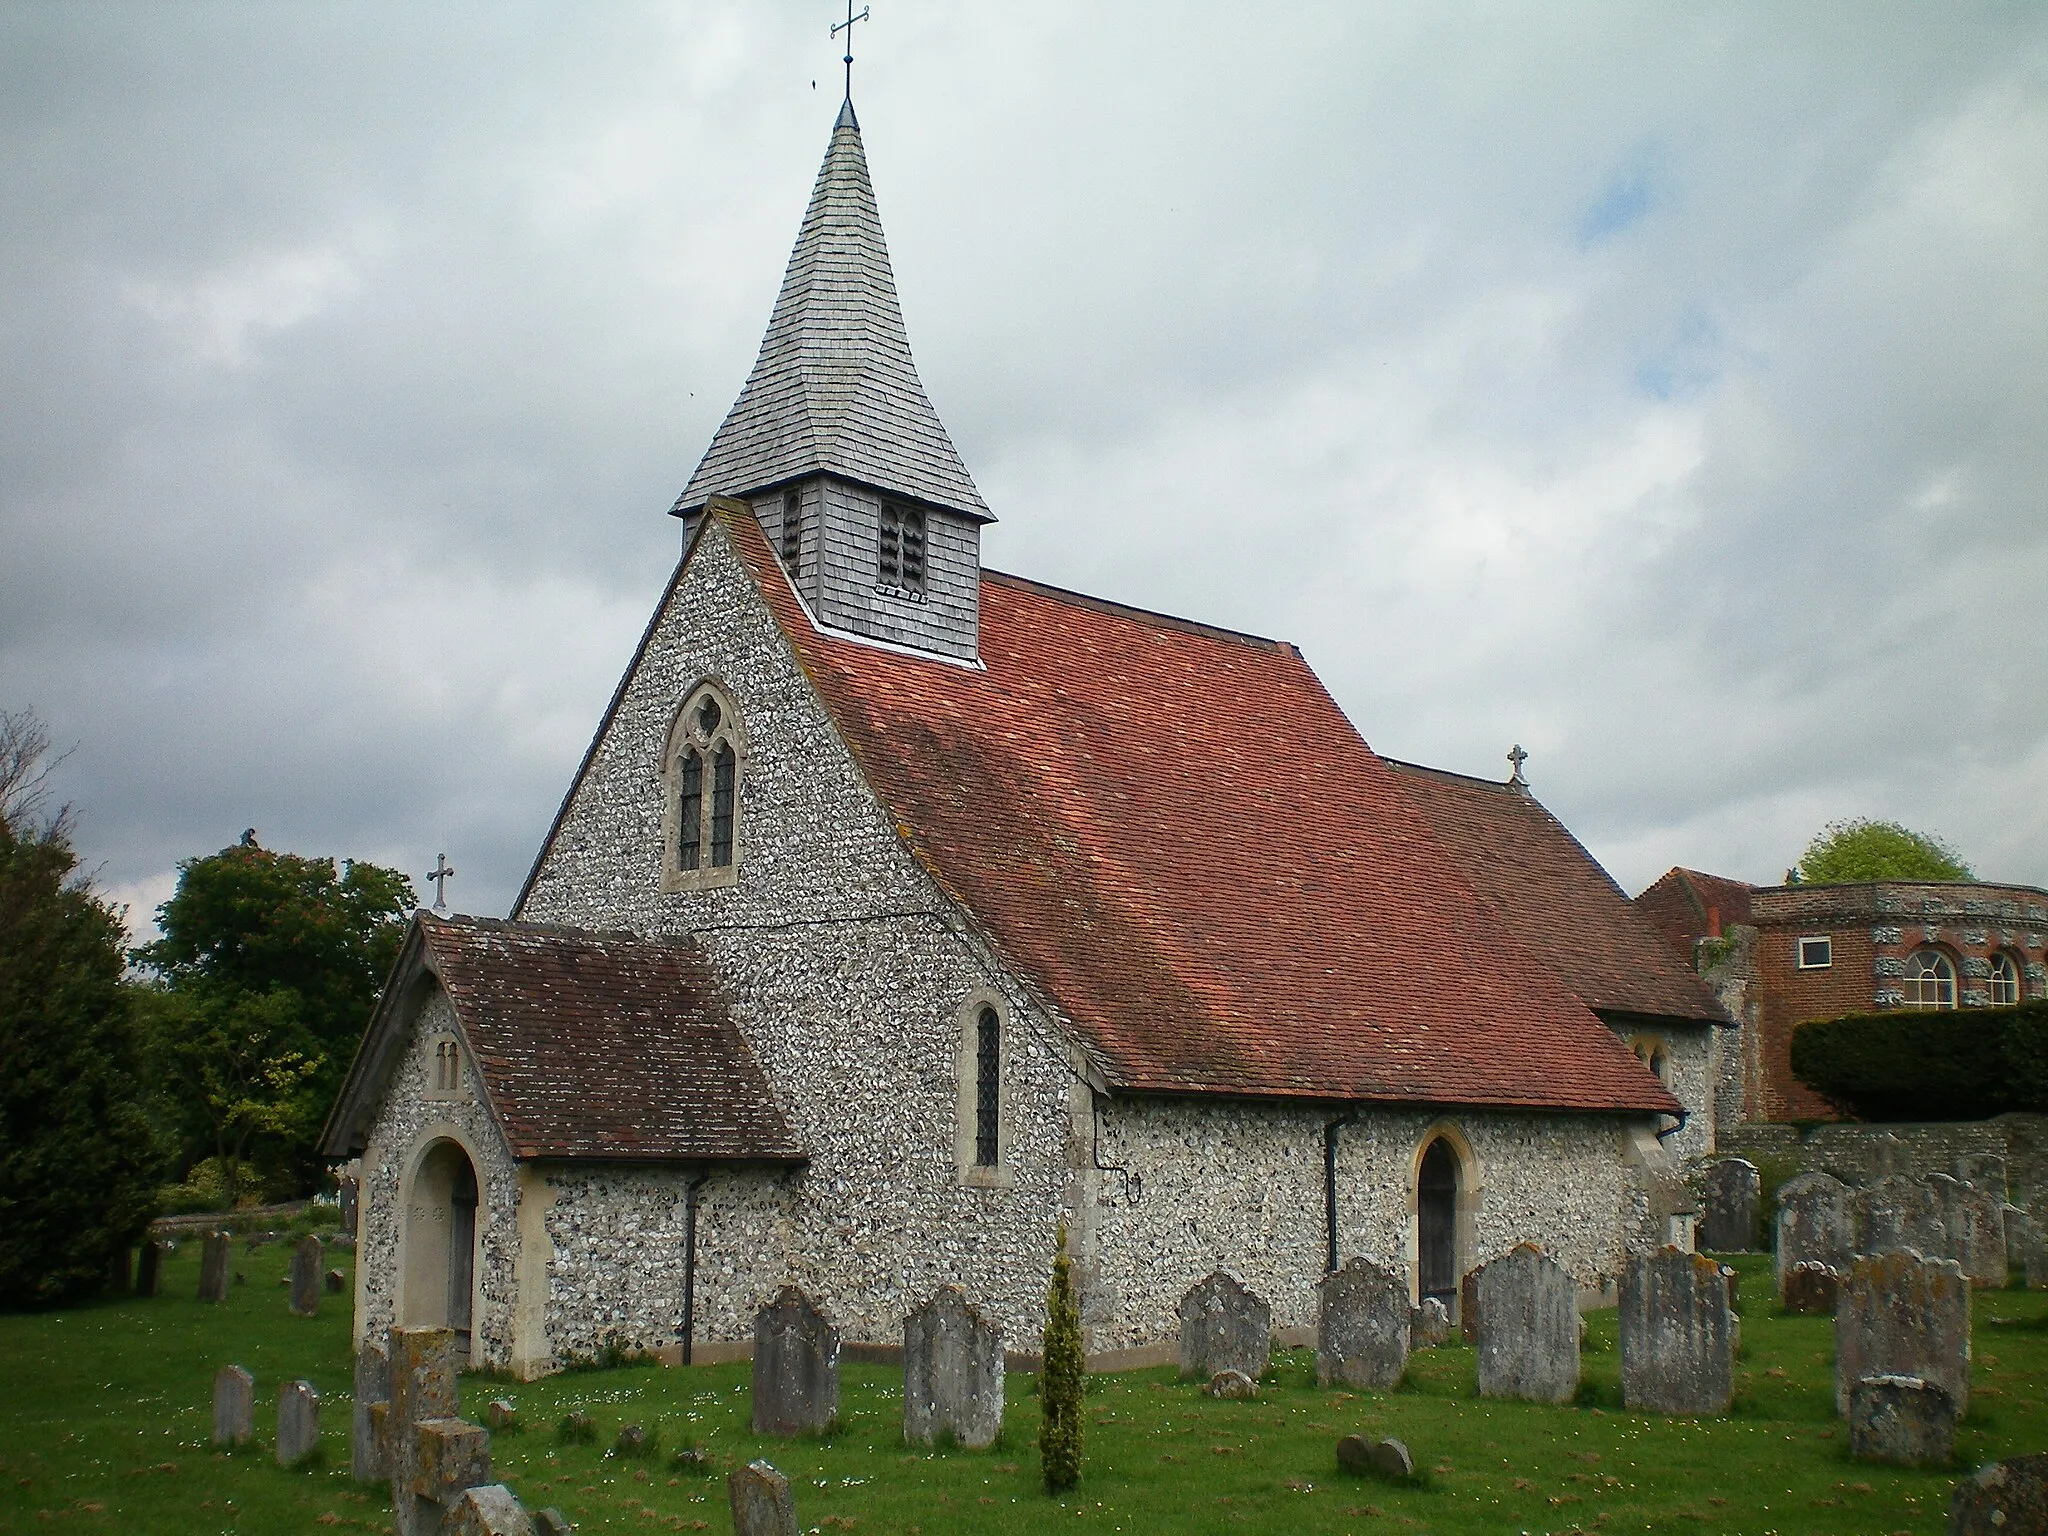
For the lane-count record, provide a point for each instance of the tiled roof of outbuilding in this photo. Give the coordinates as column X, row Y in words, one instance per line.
column 1685, row 905
column 834, row 388
column 1554, row 896
column 1177, row 835
column 590, row 1045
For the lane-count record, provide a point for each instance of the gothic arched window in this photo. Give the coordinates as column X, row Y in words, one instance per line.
column 1930, row 980
column 981, row 1138
column 706, row 750
column 988, row 1087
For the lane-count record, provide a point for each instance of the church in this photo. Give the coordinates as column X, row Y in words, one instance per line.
column 902, row 909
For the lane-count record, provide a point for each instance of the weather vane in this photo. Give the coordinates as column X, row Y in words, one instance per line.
column 439, row 876
column 846, row 26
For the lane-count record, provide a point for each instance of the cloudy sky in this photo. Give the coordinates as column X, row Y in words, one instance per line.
column 1665, row 388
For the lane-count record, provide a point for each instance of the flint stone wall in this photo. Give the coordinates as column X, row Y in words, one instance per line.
column 1692, row 1055
column 1862, row 1154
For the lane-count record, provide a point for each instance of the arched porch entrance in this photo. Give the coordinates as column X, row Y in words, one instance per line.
column 440, row 1243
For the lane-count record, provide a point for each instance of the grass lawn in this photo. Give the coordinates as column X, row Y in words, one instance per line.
column 106, row 1412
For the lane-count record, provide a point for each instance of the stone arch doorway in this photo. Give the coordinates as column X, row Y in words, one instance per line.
column 1437, row 1187
column 440, row 1243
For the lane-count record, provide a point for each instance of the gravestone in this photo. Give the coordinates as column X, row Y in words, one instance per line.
column 1430, row 1326
column 1232, row 1387
column 336, row 1281
column 1375, row 1458
column 1902, row 1315
column 1902, row 1420
column 1986, row 1170
column 552, row 1522
column 349, row 1194
column 367, row 1461
column 761, row 1503
column 1677, row 1335
column 1816, row 1223
column 1813, row 1288
column 1528, row 1327
column 1899, row 1212
column 2025, row 1249
column 149, row 1267
column 434, row 1454
column 214, row 1258
column 490, row 1510
column 952, row 1372
column 2002, row 1499
column 306, row 1256
column 1973, row 1220
column 234, row 1406
column 1362, row 1327
column 298, row 1422
column 796, row 1366
column 1728, row 1200
column 1224, row 1327
column 1468, row 1307
column 500, row 1416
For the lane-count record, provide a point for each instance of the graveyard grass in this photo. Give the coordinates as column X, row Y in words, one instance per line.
column 106, row 1417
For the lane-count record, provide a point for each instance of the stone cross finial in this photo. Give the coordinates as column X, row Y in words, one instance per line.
column 1517, row 757
column 846, row 26
column 438, row 877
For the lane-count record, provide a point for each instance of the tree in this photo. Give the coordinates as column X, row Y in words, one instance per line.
column 269, row 964
column 1845, row 851
column 1061, row 1378
column 78, row 1160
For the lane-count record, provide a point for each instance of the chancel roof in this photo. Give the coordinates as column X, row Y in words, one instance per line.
column 590, row 1045
column 1181, row 841
column 1554, row 896
column 834, row 389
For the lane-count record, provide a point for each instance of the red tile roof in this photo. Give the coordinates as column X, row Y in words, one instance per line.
column 1685, row 906
column 1175, row 833
column 590, row 1045
column 1554, row 896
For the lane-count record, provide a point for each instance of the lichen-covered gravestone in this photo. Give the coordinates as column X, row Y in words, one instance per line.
column 434, row 1454
column 952, row 1372
column 1816, row 1224
column 366, row 1453
column 1728, row 1206
column 489, row 1510
column 1903, row 1315
column 1528, row 1327
column 1902, row 1420
column 1813, row 1288
column 234, row 1406
column 1677, row 1335
column 305, row 1297
column 298, row 1422
column 1224, row 1327
column 796, row 1366
column 1430, row 1326
column 1986, row 1170
column 761, row 1502
column 1899, row 1212
column 214, row 1260
column 2002, row 1499
column 1973, row 1221
column 1362, row 1327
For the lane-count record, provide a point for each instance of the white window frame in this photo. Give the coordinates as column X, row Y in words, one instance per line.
column 1941, row 976
column 1799, row 952
column 2011, row 977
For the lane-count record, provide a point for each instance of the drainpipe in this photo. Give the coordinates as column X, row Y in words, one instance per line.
column 690, row 1262
column 1675, row 1127
column 1349, row 1117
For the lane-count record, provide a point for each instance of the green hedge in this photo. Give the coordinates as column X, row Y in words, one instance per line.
column 1926, row 1064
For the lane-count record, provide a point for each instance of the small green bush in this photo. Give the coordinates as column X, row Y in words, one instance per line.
column 1062, row 1377
column 1929, row 1064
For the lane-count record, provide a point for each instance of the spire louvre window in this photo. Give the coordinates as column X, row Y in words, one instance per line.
column 899, row 559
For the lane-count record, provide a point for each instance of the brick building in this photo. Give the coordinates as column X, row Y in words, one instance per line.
column 1792, row 953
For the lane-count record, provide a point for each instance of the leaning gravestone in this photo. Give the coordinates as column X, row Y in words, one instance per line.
column 234, row 1406
column 1901, row 1420
column 796, row 1366
column 761, row 1503
column 952, row 1372
column 306, row 1256
column 490, row 1510
column 1816, row 1224
column 2002, row 1499
column 1728, row 1206
column 214, row 1259
column 1973, row 1220
column 1528, row 1327
column 1224, row 1327
column 1812, row 1287
column 1677, row 1335
column 434, row 1455
column 367, row 1461
column 1362, row 1327
column 1375, row 1458
column 149, row 1266
column 1902, row 1315
column 298, row 1422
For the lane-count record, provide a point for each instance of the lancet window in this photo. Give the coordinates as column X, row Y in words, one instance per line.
column 706, row 750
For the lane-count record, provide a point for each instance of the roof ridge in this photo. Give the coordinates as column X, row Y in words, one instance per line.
column 1407, row 766
column 1111, row 606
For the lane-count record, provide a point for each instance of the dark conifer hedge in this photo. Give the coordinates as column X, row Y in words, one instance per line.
column 1927, row 1064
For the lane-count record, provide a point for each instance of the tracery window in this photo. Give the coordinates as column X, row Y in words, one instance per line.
column 706, row 748
column 1930, row 980
column 2005, row 979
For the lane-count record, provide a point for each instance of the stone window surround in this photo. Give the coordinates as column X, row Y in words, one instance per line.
column 966, row 1055
column 1653, row 1050
column 450, row 1043
column 682, row 731
column 1471, row 1198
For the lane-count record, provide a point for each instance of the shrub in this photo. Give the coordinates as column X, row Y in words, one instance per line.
column 1929, row 1064
column 1061, row 1377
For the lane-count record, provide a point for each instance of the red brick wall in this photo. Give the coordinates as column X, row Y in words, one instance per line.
column 1792, row 996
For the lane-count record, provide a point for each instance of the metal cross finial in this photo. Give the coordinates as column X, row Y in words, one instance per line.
column 440, row 875
column 846, row 26
column 1517, row 757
